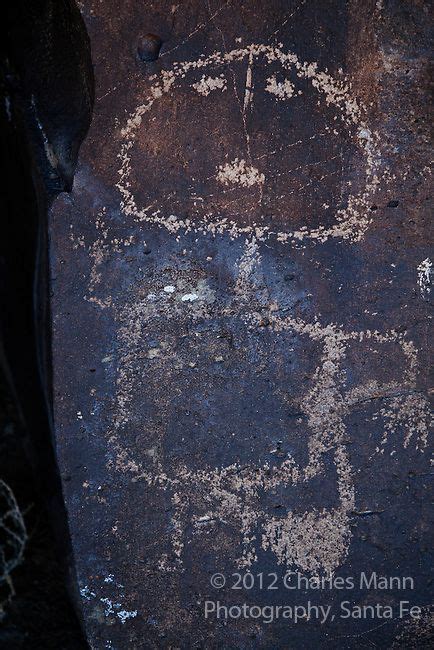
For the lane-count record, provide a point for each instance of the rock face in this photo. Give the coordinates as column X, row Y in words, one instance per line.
column 46, row 94
column 241, row 284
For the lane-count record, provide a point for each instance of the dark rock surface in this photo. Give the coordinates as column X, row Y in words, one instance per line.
column 46, row 86
column 240, row 312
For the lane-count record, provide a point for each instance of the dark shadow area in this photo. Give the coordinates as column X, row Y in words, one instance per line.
column 46, row 105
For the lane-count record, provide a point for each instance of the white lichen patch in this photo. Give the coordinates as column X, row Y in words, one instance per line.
column 238, row 172
column 207, row 84
column 111, row 606
column 86, row 593
column 189, row 297
column 124, row 615
column 424, row 275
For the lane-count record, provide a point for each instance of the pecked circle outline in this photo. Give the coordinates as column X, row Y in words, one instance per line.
column 351, row 222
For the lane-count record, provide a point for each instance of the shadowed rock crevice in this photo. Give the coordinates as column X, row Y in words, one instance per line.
column 46, row 105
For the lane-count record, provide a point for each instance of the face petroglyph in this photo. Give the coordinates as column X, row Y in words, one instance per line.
column 240, row 321
column 264, row 122
column 193, row 356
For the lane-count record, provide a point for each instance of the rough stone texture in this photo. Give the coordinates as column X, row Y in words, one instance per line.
column 45, row 110
column 240, row 303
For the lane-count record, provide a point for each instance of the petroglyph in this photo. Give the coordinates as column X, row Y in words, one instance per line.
column 207, row 84
column 173, row 325
column 240, row 363
column 318, row 538
column 239, row 172
column 249, row 261
column 350, row 221
column 313, row 540
column 281, row 89
column 248, row 90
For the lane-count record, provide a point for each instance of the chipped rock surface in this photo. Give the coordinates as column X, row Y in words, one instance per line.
column 241, row 287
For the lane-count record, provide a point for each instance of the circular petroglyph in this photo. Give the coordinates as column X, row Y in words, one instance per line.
column 206, row 152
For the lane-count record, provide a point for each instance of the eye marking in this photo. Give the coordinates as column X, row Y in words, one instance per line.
column 207, row 84
column 281, row 89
